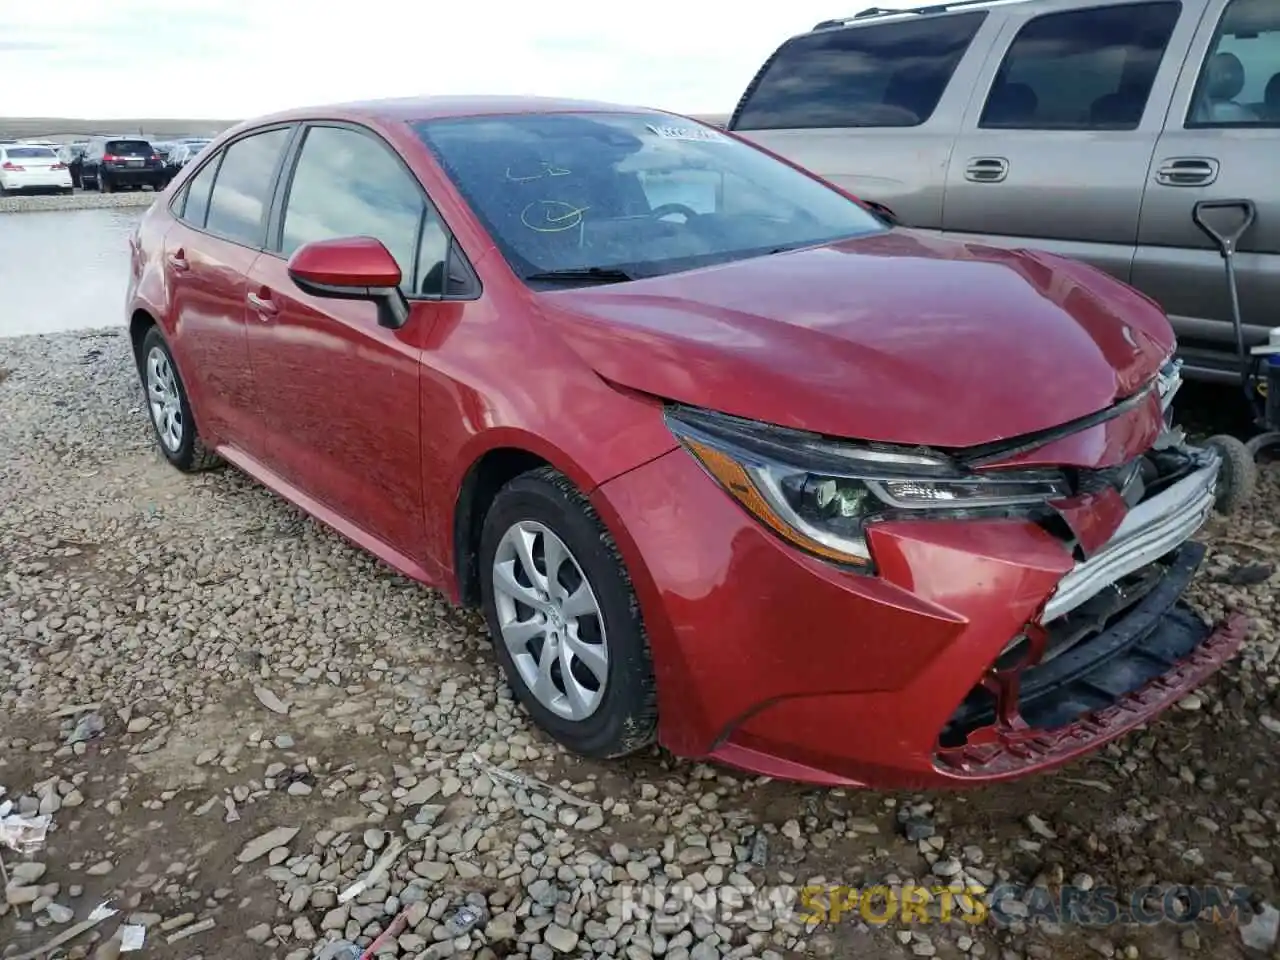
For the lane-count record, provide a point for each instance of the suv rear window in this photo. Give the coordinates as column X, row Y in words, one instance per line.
column 888, row 75
column 129, row 148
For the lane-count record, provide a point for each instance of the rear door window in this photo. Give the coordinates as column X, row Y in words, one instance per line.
column 1081, row 69
column 242, row 190
column 196, row 198
column 888, row 75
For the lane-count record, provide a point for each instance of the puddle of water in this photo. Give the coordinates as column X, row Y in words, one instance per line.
column 64, row 270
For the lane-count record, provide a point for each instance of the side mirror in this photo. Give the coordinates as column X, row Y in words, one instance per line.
column 352, row 268
column 884, row 213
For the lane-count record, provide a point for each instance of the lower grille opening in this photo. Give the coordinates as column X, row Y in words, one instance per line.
column 1103, row 650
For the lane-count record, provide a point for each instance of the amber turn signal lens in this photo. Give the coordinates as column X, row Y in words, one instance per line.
column 734, row 478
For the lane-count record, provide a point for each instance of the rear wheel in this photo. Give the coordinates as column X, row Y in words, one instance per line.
column 104, row 185
column 564, row 618
column 171, row 417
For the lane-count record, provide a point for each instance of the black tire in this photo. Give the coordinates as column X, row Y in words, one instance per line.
column 191, row 455
column 67, row 191
column 1237, row 476
column 105, row 185
column 626, row 718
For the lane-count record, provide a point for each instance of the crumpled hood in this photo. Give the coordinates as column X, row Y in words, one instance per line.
column 898, row 337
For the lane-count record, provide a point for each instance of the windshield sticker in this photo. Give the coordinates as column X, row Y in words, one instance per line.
column 552, row 216
column 695, row 134
column 548, row 170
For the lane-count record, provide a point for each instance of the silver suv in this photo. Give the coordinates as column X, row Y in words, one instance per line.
column 1086, row 127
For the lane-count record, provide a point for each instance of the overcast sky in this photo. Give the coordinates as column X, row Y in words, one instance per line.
column 238, row 58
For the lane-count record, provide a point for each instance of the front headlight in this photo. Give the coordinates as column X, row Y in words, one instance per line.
column 820, row 495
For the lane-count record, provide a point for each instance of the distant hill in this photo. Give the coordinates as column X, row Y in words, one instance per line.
column 66, row 128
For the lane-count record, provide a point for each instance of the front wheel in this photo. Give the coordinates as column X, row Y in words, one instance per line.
column 564, row 618
column 171, row 418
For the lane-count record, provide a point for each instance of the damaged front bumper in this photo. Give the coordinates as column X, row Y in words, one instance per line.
column 1138, row 659
column 983, row 649
column 1114, row 644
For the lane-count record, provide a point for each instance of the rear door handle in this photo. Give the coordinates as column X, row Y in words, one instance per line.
column 986, row 169
column 262, row 305
column 178, row 261
column 1187, row 172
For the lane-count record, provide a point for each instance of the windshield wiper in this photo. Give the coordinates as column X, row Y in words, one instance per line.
column 583, row 275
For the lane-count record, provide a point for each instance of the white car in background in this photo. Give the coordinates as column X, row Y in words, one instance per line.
column 27, row 167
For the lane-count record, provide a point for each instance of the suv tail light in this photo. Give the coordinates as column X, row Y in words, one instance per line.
column 109, row 158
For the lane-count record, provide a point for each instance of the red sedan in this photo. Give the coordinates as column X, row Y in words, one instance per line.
column 728, row 459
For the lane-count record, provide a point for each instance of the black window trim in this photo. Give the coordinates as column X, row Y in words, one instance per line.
column 1202, row 75
column 1084, row 127
column 180, row 199
column 455, row 255
column 980, row 16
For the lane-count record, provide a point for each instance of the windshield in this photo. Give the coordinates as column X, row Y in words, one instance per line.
column 636, row 193
column 30, row 153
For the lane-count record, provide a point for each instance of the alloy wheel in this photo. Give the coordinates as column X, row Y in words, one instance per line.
column 550, row 620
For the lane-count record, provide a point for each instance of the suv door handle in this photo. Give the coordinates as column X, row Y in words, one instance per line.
column 1187, row 172
column 262, row 305
column 986, row 169
column 178, row 260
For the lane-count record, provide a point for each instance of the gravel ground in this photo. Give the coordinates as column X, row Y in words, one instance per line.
column 231, row 715
column 80, row 200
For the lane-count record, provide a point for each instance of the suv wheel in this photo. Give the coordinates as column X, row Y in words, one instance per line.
column 171, row 417
column 104, row 186
column 564, row 619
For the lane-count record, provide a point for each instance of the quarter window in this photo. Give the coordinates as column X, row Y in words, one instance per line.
column 1082, row 69
column 347, row 184
column 196, row 206
column 889, row 75
column 1239, row 83
column 242, row 191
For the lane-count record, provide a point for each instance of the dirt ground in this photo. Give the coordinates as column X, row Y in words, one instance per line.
column 189, row 664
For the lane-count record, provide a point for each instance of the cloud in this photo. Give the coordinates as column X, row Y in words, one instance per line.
column 237, row 58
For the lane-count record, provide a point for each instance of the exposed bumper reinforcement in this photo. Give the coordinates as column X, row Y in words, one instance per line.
column 1151, row 529
column 1008, row 751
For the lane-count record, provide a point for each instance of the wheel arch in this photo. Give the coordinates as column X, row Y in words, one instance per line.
column 140, row 321
column 487, row 474
column 494, row 460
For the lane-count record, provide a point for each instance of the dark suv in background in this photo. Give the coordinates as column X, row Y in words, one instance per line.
column 112, row 163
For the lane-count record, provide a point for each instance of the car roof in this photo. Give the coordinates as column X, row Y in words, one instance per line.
column 405, row 109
